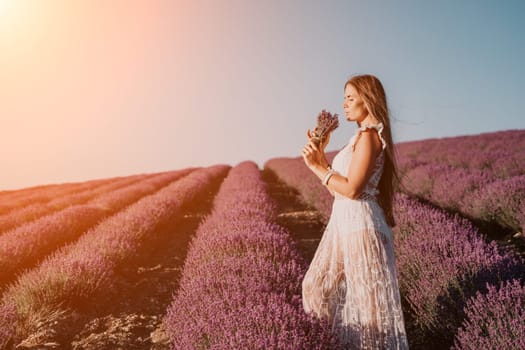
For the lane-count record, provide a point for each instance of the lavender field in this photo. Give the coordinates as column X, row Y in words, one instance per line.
column 213, row 257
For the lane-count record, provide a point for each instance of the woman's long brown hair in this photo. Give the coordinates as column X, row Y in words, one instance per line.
column 373, row 94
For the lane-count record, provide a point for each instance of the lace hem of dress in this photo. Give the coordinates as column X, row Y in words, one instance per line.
column 379, row 127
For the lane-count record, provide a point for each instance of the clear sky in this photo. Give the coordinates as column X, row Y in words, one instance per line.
column 95, row 88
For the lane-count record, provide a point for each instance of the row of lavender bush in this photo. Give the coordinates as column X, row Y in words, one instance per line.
column 77, row 272
column 480, row 176
column 22, row 247
column 51, row 189
column 500, row 154
column 441, row 259
column 472, row 192
column 442, row 262
column 495, row 320
column 54, row 194
column 294, row 172
column 22, row 215
column 20, row 198
column 240, row 286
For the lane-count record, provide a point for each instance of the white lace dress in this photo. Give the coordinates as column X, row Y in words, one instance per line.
column 352, row 279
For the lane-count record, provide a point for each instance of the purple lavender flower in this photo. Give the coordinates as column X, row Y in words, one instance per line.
column 240, row 287
column 88, row 264
column 495, row 320
column 326, row 123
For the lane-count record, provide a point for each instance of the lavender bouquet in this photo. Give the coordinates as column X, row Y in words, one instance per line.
column 326, row 123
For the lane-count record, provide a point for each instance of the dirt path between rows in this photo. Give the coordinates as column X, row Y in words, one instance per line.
column 305, row 224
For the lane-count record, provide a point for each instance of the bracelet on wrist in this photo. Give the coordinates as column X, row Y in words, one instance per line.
column 327, row 176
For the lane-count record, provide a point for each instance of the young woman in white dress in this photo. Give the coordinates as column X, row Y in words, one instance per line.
column 352, row 279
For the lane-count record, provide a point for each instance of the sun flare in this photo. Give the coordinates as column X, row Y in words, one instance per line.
column 4, row 7
column 7, row 8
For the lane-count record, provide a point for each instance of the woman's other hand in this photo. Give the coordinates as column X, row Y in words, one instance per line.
column 312, row 155
column 323, row 145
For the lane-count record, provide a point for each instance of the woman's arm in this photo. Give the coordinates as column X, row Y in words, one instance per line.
column 360, row 170
column 322, row 156
column 325, row 161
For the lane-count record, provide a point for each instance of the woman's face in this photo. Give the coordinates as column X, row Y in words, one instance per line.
column 354, row 106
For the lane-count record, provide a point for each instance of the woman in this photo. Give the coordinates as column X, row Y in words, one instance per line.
column 352, row 279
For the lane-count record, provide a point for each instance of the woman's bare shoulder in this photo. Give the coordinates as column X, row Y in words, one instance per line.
column 370, row 139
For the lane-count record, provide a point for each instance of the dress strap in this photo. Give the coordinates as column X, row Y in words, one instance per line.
column 379, row 127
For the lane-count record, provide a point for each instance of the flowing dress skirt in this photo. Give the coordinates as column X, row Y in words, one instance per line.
column 352, row 279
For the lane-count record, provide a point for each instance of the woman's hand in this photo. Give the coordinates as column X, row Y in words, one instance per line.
column 308, row 154
column 312, row 154
column 323, row 145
